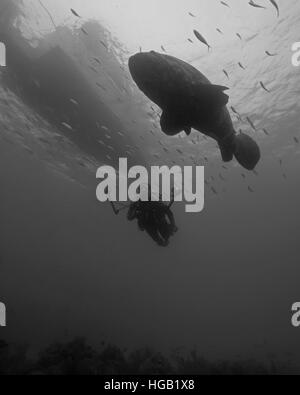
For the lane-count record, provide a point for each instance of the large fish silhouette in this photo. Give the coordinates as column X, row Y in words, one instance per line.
column 189, row 101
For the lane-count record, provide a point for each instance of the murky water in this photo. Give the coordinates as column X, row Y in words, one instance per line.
column 68, row 265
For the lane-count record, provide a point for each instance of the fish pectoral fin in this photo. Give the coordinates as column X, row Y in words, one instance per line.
column 221, row 87
column 170, row 123
column 212, row 96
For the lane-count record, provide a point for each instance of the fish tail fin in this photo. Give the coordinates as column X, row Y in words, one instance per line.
column 247, row 151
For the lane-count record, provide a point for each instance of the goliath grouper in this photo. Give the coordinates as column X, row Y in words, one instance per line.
column 188, row 100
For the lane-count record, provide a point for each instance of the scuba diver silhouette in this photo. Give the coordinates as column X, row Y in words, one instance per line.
column 156, row 218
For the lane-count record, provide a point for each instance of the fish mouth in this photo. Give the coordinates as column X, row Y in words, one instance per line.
column 142, row 67
column 137, row 64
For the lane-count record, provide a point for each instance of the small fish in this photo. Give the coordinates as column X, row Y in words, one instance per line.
column 241, row 66
column 104, row 45
column 271, row 54
column 101, row 86
column 276, row 6
column 75, row 13
column 225, row 4
column 237, row 114
column 251, row 123
column 93, row 69
column 201, row 38
column 73, row 101
column 98, row 61
column 263, row 86
column 67, row 126
column 225, row 72
column 251, row 2
column 266, row 132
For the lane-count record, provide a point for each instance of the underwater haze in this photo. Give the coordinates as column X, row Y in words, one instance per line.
column 68, row 266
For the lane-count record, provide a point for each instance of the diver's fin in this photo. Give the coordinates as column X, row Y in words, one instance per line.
column 171, row 124
column 212, row 96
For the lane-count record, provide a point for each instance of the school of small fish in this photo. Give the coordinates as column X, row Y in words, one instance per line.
column 175, row 151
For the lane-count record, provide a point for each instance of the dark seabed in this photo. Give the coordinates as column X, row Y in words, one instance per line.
column 69, row 268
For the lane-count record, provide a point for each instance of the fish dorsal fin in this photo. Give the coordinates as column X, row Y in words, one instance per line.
column 211, row 96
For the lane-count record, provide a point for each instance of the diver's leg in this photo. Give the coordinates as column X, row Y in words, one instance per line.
column 114, row 208
column 141, row 224
column 153, row 233
column 165, row 231
column 171, row 218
